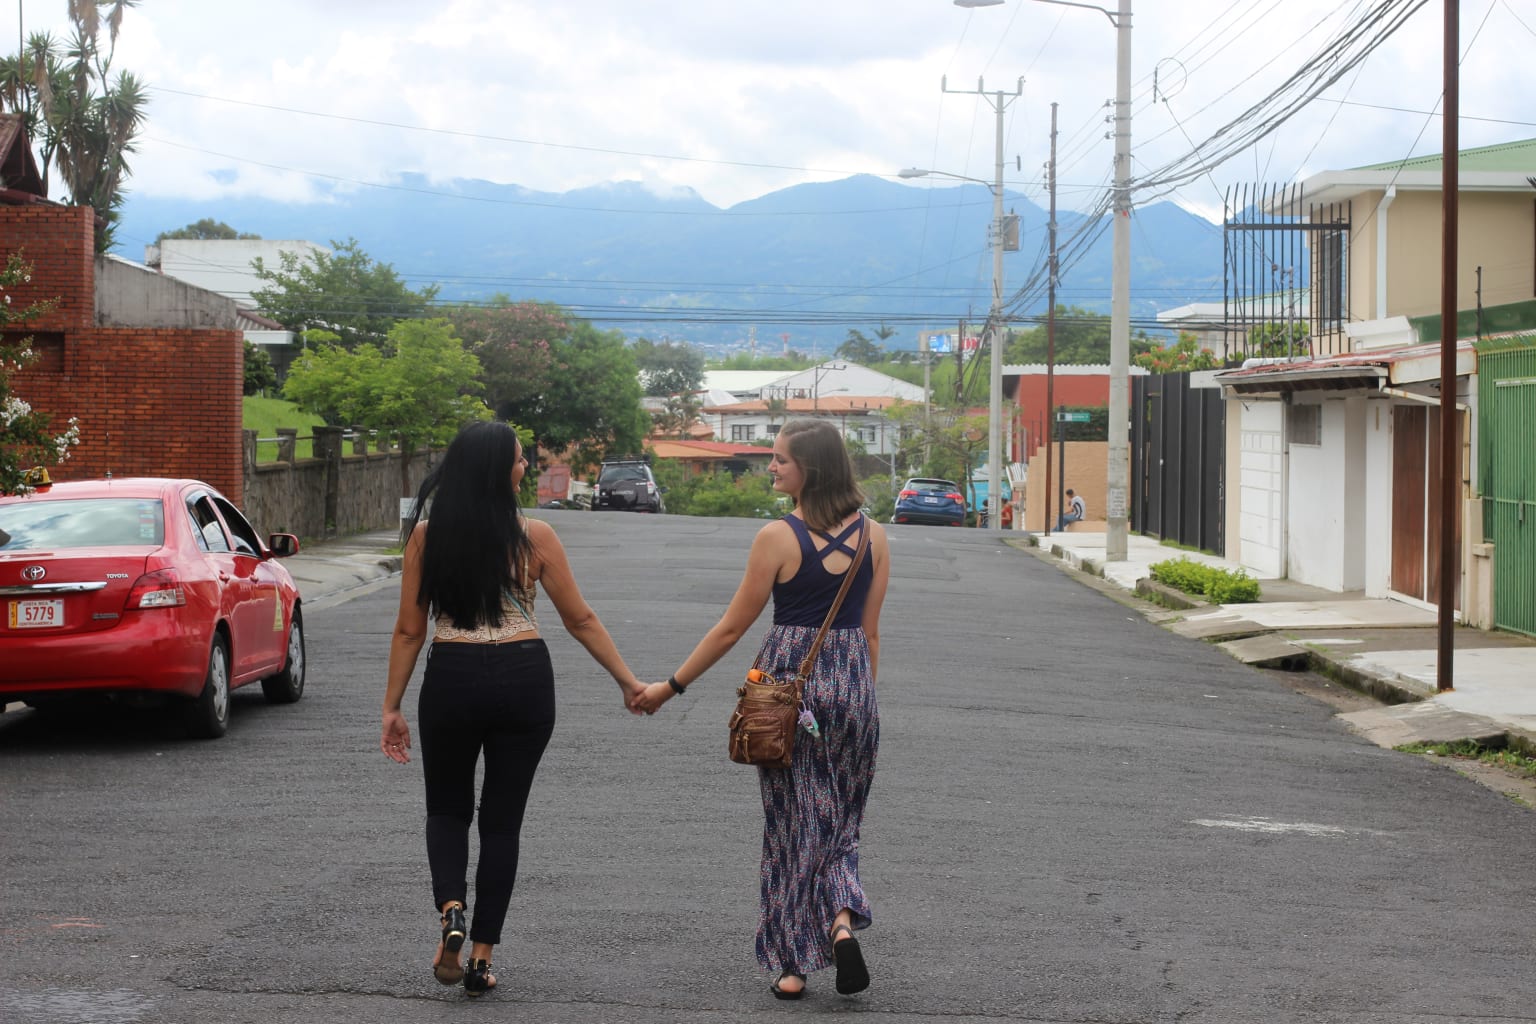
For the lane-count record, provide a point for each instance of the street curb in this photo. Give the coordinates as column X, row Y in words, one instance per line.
column 1390, row 689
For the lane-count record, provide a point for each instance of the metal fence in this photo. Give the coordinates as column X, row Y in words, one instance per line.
column 1286, row 273
column 1178, row 461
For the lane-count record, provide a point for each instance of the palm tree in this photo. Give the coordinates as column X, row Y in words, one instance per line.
column 83, row 120
column 777, row 406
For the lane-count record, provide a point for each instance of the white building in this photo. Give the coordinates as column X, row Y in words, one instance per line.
column 852, row 397
column 224, row 265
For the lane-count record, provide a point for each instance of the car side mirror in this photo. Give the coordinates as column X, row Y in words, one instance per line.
column 283, row 545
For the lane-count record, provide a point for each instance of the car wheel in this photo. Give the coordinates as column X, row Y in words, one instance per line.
column 207, row 716
column 287, row 686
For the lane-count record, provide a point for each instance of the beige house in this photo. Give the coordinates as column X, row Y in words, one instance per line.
column 1390, row 263
column 1332, row 454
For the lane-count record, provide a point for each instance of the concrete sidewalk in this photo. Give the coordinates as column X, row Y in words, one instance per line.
column 1385, row 647
column 328, row 571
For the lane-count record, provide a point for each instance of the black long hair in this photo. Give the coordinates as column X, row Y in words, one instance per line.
column 476, row 545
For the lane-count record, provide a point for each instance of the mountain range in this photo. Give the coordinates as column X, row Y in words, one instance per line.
column 810, row 261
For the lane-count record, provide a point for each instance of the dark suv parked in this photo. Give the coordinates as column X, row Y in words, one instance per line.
column 626, row 485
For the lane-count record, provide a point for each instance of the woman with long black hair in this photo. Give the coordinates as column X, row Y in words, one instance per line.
column 468, row 583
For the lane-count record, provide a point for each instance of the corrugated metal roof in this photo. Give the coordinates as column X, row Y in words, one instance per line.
column 839, row 404
column 1341, row 372
column 1506, row 156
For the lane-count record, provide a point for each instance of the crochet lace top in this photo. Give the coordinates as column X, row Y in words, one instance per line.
column 516, row 617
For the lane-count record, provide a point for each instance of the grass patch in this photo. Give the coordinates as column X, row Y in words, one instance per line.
column 1471, row 750
column 265, row 415
column 1219, row 586
column 1180, row 546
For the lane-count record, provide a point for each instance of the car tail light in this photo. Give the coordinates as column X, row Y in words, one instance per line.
column 907, row 494
column 158, row 589
column 952, row 496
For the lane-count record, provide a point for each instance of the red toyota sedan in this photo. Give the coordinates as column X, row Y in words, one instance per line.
column 145, row 590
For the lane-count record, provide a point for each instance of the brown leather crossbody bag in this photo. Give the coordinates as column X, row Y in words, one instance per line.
column 762, row 728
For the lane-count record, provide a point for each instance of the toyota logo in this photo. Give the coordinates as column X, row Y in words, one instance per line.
column 33, row 573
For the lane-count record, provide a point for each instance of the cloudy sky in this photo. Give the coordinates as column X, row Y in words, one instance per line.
column 736, row 98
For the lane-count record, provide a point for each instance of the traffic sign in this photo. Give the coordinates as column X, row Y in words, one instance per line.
column 1073, row 417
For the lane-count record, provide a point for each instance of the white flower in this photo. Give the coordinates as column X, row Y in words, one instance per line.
column 12, row 410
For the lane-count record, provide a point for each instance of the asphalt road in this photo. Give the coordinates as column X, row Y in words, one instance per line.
column 1077, row 817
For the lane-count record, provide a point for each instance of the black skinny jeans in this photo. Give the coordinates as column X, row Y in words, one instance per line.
column 500, row 699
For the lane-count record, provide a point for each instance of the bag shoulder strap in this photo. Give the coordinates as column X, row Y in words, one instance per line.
column 837, row 602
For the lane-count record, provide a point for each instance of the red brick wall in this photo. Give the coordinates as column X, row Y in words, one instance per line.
column 1090, row 390
column 151, row 401
column 59, row 243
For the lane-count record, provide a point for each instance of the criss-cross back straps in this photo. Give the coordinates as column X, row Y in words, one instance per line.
column 840, row 542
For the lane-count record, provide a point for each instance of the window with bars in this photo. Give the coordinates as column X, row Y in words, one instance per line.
column 1304, row 425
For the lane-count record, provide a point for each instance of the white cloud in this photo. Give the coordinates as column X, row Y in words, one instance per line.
column 736, row 99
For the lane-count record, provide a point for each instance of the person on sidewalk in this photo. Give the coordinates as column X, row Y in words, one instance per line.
column 468, row 577
column 811, row 901
column 1073, row 513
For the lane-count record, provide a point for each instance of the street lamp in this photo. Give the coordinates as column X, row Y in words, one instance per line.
column 994, row 320
column 1116, row 498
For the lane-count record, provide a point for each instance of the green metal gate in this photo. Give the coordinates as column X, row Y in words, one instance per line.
column 1506, row 374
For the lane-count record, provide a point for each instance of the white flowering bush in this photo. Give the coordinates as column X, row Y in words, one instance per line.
column 27, row 439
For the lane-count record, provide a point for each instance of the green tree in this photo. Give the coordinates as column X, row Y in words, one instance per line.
column 1182, row 356
column 205, row 230
column 1082, row 339
column 745, row 361
column 344, row 291
column 419, row 387
column 678, row 413
column 669, row 368
column 27, row 439
column 1278, row 340
column 82, row 118
column 749, row 495
column 859, row 349
column 514, row 342
column 591, row 401
column 259, row 373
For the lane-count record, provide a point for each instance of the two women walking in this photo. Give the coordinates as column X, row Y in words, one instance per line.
column 469, row 575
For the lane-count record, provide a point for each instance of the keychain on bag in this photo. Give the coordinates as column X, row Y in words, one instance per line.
column 808, row 722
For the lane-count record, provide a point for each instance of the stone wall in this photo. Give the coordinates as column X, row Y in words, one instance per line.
column 346, row 488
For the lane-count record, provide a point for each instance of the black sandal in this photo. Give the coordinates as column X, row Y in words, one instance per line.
column 448, row 969
column 786, row 993
column 478, row 978
column 852, row 974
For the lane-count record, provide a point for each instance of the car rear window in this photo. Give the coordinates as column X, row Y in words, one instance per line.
column 933, row 485
column 82, row 523
column 615, row 474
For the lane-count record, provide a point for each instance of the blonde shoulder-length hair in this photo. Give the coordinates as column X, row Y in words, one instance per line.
column 829, row 493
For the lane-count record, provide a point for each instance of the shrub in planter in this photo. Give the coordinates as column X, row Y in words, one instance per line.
column 1219, row 586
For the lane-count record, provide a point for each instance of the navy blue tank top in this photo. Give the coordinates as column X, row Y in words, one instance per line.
column 804, row 598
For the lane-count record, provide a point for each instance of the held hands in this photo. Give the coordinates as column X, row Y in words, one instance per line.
column 396, row 738
column 632, row 688
column 650, row 699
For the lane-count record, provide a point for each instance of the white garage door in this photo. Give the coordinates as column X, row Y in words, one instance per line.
column 1261, row 489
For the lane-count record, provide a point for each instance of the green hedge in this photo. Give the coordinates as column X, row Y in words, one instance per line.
column 1219, row 586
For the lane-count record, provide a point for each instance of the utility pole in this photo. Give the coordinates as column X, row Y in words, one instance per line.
column 1450, row 465
column 1116, row 499
column 999, row 101
column 1050, row 325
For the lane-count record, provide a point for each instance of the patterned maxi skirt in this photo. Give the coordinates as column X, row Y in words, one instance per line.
column 812, row 811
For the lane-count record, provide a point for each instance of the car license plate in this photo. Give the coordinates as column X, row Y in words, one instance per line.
column 931, row 501
column 35, row 614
